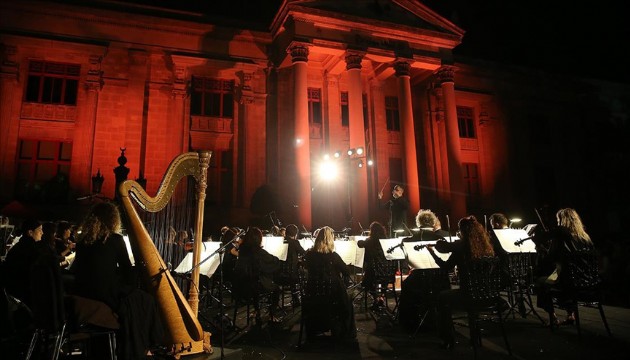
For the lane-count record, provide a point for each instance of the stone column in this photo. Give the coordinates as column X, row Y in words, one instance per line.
column 83, row 147
column 408, row 135
column 9, row 125
column 356, row 176
column 446, row 75
column 301, row 140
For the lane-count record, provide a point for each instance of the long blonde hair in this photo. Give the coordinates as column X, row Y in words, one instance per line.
column 102, row 221
column 325, row 240
column 568, row 218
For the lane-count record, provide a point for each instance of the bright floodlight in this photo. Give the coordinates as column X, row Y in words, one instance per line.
column 360, row 163
column 360, row 151
column 350, row 152
column 328, row 170
column 337, row 154
column 370, row 162
column 326, row 157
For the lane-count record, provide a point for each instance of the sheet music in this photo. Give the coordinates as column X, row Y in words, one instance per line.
column 129, row 252
column 348, row 251
column 397, row 253
column 307, row 243
column 275, row 246
column 422, row 259
column 529, row 228
column 507, row 238
column 209, row 266
column 358, row 261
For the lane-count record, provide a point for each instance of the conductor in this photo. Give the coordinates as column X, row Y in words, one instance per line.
column 398, row 206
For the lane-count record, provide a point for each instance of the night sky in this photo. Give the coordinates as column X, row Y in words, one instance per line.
column 579, row 38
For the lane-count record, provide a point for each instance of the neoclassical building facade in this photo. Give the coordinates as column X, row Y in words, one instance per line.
column 80, row 84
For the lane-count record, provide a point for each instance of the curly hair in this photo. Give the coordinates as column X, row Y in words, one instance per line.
column 427, row 218
column 475, row 237
column 102, row 220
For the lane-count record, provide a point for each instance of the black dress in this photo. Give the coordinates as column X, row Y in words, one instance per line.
column 336, row 311
column 562, row 245
column 103, row 272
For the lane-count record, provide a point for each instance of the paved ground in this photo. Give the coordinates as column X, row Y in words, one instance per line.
column 380, row 337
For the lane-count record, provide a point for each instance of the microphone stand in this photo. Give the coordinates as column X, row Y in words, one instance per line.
column 219, row 251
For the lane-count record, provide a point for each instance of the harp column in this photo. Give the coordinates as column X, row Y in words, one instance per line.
column 401, row 66
column 446, row 78
column 301, row 140
column 202, row 185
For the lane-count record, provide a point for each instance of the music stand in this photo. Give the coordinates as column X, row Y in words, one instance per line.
column 394, row 249
column 275, row 246
column 218, row 254
column 520, row 248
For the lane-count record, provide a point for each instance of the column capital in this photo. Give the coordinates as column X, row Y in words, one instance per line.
column 353, row 59
column 402, row 67
column 446, row 74
column 299, row 52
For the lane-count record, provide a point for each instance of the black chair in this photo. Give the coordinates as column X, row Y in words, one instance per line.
column 428, row 283
column 518, row 276
column 383, row 282
column 65, row 321
column 318, row 304
column 247, row 292
column 480, row 283
column 580, row 285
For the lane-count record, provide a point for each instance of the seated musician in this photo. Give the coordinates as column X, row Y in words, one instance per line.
column 323, row 264
column 103, row 272
column 254, row 270
column 374, row 263
column 568, row 237
column 290, row 268
column 475, row 243
column 430, row 227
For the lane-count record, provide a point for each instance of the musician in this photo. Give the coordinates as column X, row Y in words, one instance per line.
column 230, row 255
column 65, row 244
column 254, row 270
column 416, row 290
column 568, row 237
column 323, row 264
column 398, row 206
column 103, row 272
column 498, row 221
column 430, row 228
column 290, row 268
column 475, row 243
column 374, row 262
column 21, row 258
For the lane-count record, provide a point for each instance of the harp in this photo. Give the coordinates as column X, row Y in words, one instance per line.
column 183, row 332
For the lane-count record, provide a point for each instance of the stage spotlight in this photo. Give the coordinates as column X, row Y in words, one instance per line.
column 350, row 152
column 326, row 157
column 360, row 151
column 337, row 154
column 370, row 162
column 328, row 170
column 360, row 163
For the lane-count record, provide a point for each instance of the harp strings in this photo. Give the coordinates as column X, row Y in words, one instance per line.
column 170, row 228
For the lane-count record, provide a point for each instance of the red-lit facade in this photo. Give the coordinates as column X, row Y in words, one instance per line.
column 79, row 84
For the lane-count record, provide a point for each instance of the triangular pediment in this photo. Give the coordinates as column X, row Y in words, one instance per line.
column 401, row 15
